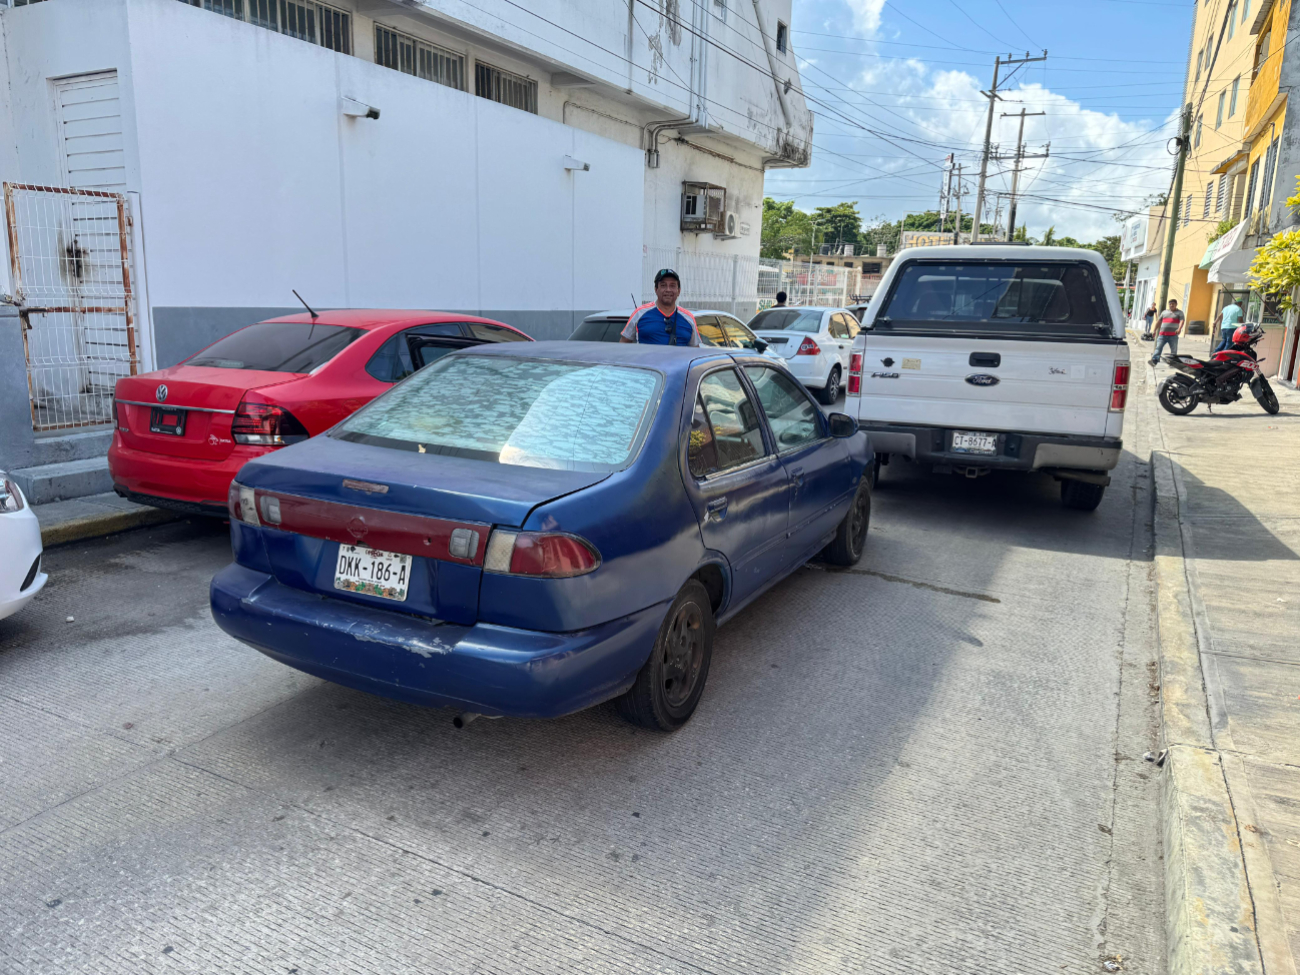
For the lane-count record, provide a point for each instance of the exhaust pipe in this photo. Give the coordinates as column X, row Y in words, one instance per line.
column 464, row 718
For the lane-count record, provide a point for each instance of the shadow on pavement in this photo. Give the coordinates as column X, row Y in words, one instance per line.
column 1222, row 528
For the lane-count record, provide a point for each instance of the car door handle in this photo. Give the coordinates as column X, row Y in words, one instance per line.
column 796, row 475
column 716, row 510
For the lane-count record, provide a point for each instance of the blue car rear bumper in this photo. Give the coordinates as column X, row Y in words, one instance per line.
column 490, row 669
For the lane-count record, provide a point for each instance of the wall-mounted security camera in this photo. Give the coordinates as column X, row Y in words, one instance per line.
column 355, row 109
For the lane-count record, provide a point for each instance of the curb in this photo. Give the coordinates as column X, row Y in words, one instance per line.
column 1209, row 909
column 98, row 524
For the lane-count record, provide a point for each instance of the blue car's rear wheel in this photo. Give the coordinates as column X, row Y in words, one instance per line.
column 669, row 686
column 851, row 536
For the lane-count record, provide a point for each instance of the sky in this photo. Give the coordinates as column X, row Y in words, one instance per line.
column 895, row 86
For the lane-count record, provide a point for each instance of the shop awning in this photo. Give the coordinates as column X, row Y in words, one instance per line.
column 1228, row 242
column 1233, row 267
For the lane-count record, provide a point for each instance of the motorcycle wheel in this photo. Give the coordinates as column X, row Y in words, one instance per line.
column 1264, row 393
column 1177, row 397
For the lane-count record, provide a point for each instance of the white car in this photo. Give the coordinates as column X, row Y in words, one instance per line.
column 814, row 342
column 21, row 577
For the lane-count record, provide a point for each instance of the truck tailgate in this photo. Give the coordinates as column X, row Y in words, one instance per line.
column 1035, row 387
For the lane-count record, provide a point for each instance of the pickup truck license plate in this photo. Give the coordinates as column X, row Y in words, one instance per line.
column 966, row 442
column 372, row 572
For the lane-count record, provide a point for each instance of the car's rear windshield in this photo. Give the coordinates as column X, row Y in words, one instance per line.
column 573, row 416
column 788, row 320
column 1056, row 299
column 598, row 330
column 278, row 347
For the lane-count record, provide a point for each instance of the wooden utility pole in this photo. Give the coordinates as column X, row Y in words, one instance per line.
column 1019, row 164
column 1171, row 207
column 993, row 96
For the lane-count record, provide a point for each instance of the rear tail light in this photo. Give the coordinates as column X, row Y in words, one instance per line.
column 1119, row 388
column 242, row 504
column 545, row 555
column 265, row 424
column 808, row 347
column 119, row 416
column 855, row 374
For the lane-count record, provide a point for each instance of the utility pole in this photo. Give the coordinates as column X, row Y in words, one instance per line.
column 945, row 191
column 956, row 234
column 1171, row 207
column 992, row 96
column 1019, row 164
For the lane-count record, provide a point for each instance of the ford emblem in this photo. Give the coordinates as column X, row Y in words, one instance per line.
column 161, row 393
column 982, row 379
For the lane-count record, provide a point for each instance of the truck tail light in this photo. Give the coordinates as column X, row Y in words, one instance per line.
column 808, row 347
column 855, row 374
column 544, row 555
column 265, row 424
column 1119, row 388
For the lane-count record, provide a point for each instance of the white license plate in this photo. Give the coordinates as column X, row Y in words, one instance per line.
column 372, row 572
column 964, row 442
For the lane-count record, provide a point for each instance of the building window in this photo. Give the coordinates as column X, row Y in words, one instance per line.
column 1266, row 188
column 1199, row 57
column 1209, row 200
column 406, row 54
column 1232, row 20
column 1261, row 51
column 1251, row 184
column 1187, row 210
column 1245, row 11
column 1232, row 100
column 1218, row 117
column 1197, row 141
column 316, row 23
column 782, row 37
column 720, row 10
column 704, row 208
column 505, row 87
column 1222, row 197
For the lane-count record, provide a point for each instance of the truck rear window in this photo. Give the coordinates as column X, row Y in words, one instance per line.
column 1058, row 299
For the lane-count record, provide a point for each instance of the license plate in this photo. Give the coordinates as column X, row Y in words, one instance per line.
column 965, row 442
column 171, row 422
column 372, row 572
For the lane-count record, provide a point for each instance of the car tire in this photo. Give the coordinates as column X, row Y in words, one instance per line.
column 851, row 535
column 670, row 684
column 1080, row 495
column 829, row 393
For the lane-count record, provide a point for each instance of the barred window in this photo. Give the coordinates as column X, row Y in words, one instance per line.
column 505, row 87
column 307, row 20
column 410, row 56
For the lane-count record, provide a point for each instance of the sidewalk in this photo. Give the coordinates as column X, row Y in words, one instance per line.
column 90, row 517
column 1236, row 477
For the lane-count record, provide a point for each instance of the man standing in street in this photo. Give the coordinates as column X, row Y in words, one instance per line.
column 662, row 322
column 781, row 297
column 1171, row 326
column 1228, row 320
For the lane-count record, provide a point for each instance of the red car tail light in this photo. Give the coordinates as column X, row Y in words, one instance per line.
column 546, row 555
column 266, row 424
column 1119, row 388
column 808, row 347
column 119, row 417
column 855, row 374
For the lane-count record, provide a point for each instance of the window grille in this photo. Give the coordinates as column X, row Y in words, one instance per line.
column 1222, row 199
column 410, row 56
column 1209, row 200
column 307, row 20
column 505, row 87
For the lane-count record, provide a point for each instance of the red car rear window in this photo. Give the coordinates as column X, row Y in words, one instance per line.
column 278, row 347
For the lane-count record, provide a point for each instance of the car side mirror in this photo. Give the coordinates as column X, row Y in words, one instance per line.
column 842, row 425
column 760, row 346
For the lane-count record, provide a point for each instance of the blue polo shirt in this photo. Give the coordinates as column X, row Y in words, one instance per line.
column 649, row 326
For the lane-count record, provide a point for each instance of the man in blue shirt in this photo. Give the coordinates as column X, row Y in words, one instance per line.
column 1229, row 319
column 663, row 322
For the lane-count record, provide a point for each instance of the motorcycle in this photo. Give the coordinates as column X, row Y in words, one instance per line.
column 1218, row 380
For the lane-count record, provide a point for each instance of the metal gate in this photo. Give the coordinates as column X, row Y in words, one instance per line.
column 70, row 254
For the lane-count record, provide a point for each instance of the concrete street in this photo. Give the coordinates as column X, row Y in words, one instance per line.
column 930, row 763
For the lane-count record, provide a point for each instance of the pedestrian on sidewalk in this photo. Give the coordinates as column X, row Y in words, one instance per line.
column 1227, row 320
column 663, row 321
column 1171, row 326
column 1149, row 318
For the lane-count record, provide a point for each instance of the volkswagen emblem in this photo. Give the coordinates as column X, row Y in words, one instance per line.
column 161, row 393
column 982, row 379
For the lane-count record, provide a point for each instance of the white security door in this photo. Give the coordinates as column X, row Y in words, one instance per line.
column 90, row 132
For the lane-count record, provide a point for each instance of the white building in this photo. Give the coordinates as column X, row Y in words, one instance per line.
column 1143, row 242
column 529, row 161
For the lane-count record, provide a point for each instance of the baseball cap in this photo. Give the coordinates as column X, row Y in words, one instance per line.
column 667, row 273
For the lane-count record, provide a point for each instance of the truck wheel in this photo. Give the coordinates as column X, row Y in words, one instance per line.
column 831, row 392
column 851, row 536
column 1080, row 495
column 669, row 686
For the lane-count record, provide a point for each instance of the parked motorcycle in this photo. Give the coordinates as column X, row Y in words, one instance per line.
column 1218, row 380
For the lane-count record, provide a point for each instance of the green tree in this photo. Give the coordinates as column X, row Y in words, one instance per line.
column 785, row 228
column 839, row 224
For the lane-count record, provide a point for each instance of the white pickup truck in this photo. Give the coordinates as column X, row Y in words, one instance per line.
column 979, row 357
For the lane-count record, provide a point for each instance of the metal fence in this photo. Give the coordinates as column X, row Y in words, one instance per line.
column 70, row 257
column 746, row 285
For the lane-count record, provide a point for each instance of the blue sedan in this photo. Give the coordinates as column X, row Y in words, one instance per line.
column 531, row 531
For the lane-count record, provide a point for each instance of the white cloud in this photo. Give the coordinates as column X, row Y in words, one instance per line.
column 866, row 14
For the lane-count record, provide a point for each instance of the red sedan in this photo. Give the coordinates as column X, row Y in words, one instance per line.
column 184, row 432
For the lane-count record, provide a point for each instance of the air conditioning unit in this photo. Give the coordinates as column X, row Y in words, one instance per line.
column 730, row 225
column 704, row 208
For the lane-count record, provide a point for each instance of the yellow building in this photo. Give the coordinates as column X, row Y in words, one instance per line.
column 1218, row 85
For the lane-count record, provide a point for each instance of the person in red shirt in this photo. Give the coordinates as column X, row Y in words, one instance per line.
column 1171, row 326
